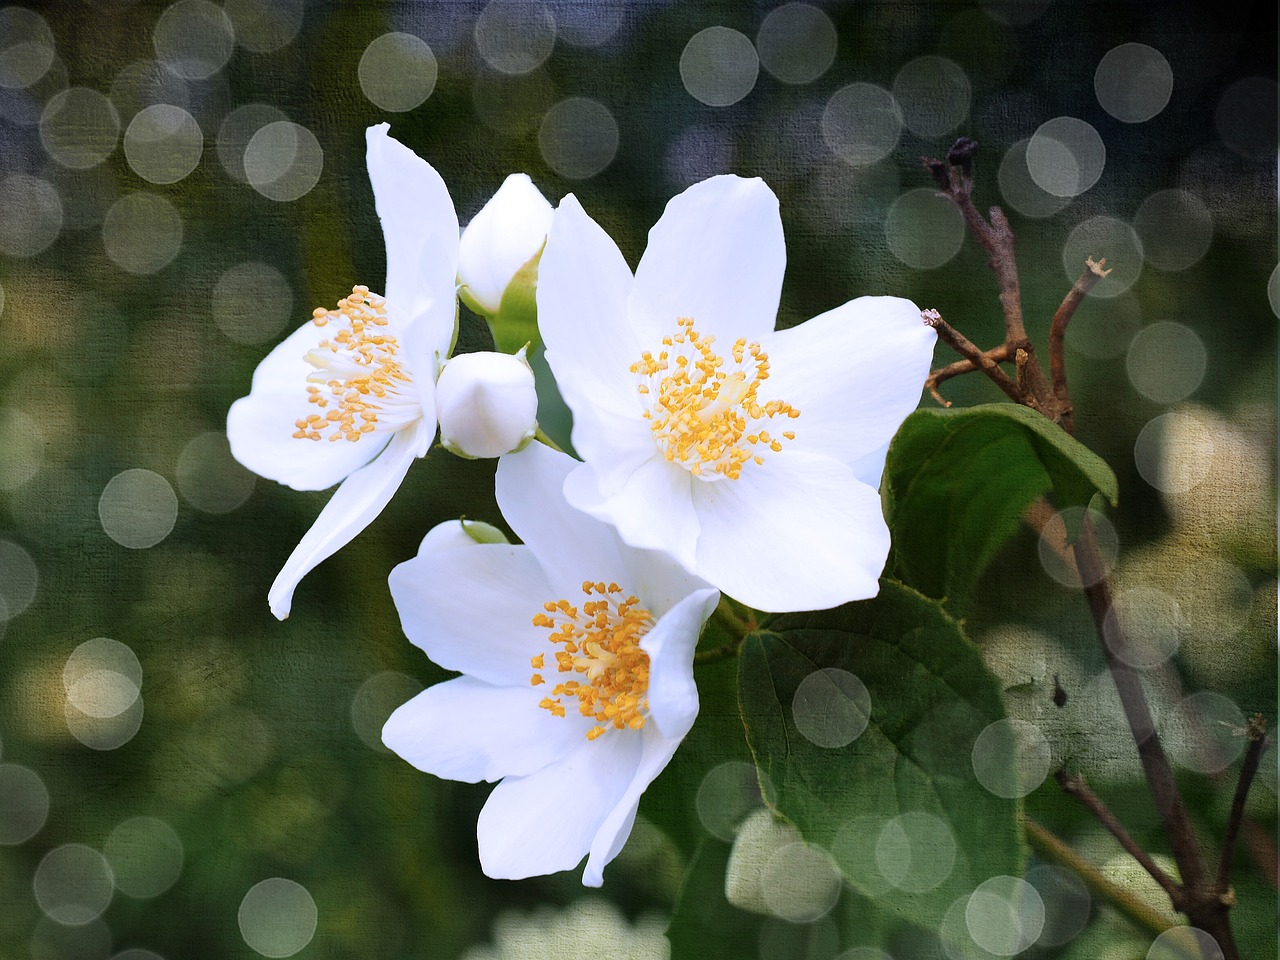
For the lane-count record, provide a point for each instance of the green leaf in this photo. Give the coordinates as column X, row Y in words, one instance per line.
column 516, row 322
column 958, row 482
column 705, row 924
column 930, row 697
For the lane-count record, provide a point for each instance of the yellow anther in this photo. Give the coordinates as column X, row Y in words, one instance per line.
column 536, row 679
column 537, row 662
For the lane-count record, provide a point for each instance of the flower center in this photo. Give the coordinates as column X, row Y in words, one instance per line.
column 360, row 383
column 704, row 412
column 600, row 645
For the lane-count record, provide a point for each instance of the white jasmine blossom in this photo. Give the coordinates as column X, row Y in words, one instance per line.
column 576, row 654
column 751, row 455
column 350, row 397
column 505, row 235
column 486, row 403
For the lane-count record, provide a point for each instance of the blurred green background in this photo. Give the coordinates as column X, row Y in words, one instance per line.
column 181, row 183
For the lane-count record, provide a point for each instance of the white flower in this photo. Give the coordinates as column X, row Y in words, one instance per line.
column 486, row 403
column 507, row 232
column 751, row 455
column 350, row 396
column 587, row 929
column 577, row 660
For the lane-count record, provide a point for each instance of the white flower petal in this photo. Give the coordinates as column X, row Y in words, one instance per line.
column 351, row 508
column 546, row 822
column 472, row 610
column 486, row 403
column 616, row 827
column 502, row 238
column 800, row 532
column 854, row 373
column 467, row 730
column 420, row 228
column 716, row 255
column 583, row 283
column 651, row 507
column 673, row 695
column 570, row 546
column 260, row 427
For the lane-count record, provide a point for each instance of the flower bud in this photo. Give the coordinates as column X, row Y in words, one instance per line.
column 486, row 404
column 504, row 236
column 458, row 534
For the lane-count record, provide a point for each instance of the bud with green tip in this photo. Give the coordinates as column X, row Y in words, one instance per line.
column 486, row 404
column 462, row 533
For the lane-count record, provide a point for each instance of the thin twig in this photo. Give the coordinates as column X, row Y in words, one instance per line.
column 971, row 352
column 1075, row 786
column 1051, row 847
column 1093, row 272
column 958, row 368
column 1258, row 743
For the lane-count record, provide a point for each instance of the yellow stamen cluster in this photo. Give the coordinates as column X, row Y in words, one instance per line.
column 600, row 642
column 702, row 415
column 358, row 368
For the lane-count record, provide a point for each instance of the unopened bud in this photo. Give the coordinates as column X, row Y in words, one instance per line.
column 486, row 404
column 503, row 237
column 459, row 534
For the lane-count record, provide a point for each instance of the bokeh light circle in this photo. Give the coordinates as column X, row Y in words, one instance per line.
column 32, row 215
column 163, row 143
column 831, row 707
column 915, row 851
column 73, row 884
column 145, row 855
column 397, row 72
column 727, row 795
column 1104, row 238
column 1273, row 290
column 578, row 138
column 1067, row 903
column 144, row 83
column 138, row 508
column 209, row 477
column 1185, row 943
column 24, row 804
column 1205, row 732
column 375, row 701
column 142, row 233
column 1020, row 191
column 252, row 302
column 1057, row 558
column 1133, row 82
column 104, row 733
column 23, row 444
column 97, row 656
column 796, row 43
column 18, row 580
column 277, row 917
column 719, row 66
column 1011, row 758
column 1166, row 362
column 26, row 47
column 800, row 883
column 861, row 123
column 1169, row 470
column 1004, row 916
column 79, row 128
column 193, row 39
column 1175, row 228
column 283, row 161
column 1066, row 156
column 923, row 229
column 933, row 94
column 1143, row 627
column 237, row 129
column 515, row 36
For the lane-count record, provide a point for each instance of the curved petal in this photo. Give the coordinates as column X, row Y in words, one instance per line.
column 546, row 822
column 716, row 255
column 260, row 427
column 472, row 610
column 651, row 507
column 616, row 827
column 570, row 545
column 467, row 730
column 420, row 228
column 583, row 283
column 502, row 238
column 854, row 373
column 351, row 508
column 673, row 695
column 800, row 532
column 612, row 443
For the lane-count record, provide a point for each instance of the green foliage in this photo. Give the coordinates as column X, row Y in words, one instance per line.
column 930, row 698
column 516, row 322
column 958, row 482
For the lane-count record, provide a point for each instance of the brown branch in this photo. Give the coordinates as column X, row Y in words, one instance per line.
column 1093, row 272
column 1258, row 743
column 972, row 353
column 998, row 354
column 1075, row 786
